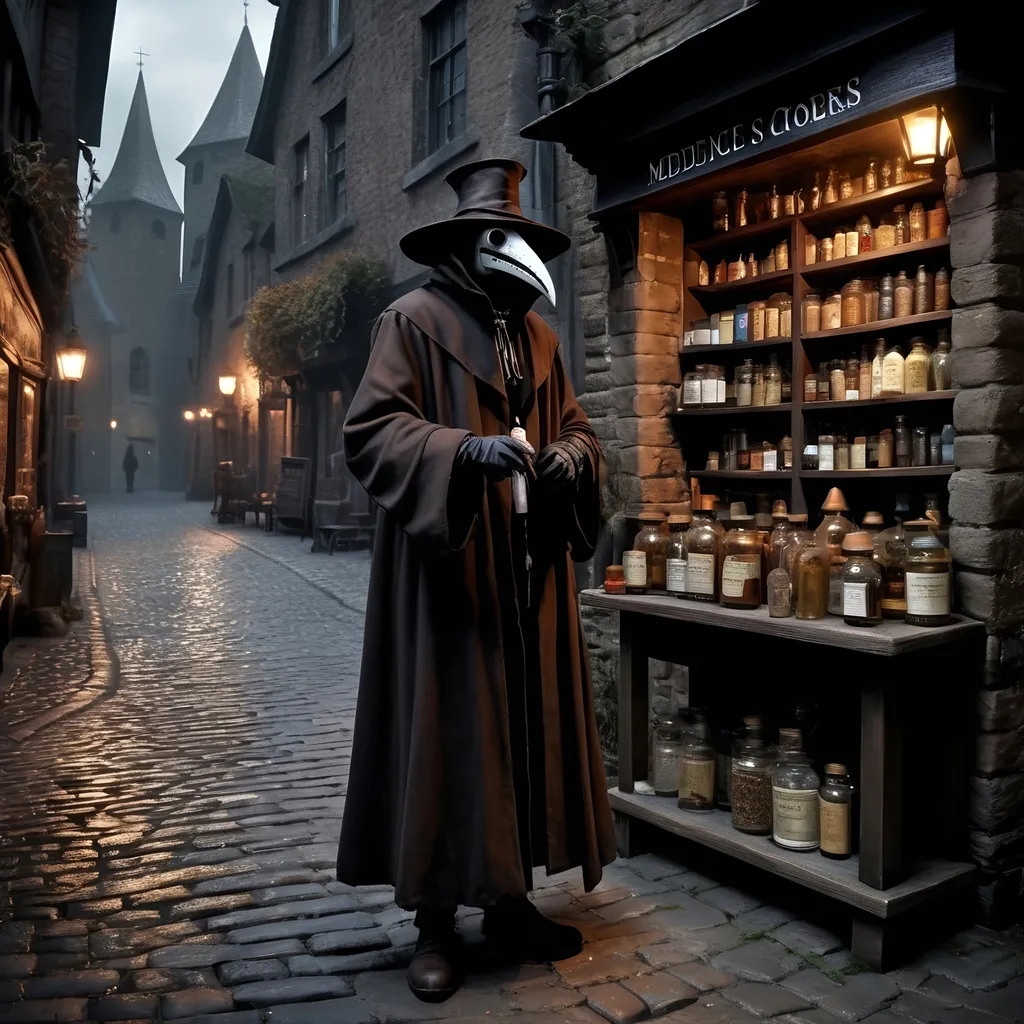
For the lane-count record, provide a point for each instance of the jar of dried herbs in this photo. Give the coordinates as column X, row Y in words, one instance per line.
column 752, row 780
column 696, row 776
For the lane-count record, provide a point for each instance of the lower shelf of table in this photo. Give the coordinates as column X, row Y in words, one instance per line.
column 836, row 879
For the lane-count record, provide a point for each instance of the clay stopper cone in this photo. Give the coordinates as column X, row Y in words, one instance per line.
column 835, row 502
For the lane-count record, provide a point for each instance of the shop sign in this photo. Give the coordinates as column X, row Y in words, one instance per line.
column 741, row 140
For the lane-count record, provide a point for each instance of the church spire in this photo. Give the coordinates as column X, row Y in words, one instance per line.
column 137, row 172
column 231, row 115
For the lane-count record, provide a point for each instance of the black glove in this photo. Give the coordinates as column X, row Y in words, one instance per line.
column 561, row 464
column 497, row 457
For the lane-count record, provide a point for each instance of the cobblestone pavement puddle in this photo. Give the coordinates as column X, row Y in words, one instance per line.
column 172, row 778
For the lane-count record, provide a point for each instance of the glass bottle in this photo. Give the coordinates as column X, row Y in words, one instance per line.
column 902, row 225
column 691, row 390
column 885, row 234
column 824, row 382
column 652, row 540
column 876, row 368
column 903, row 295
column 871, row 176
column 886, row 447
column 811, row 386
column 786, row 452
column 852, row 240
column 852, row 303
column 947, row 439
column 885, row 175
column 864, row 374
column 811, row 582
column 918, row 223
column 832, row 312
column 745, row 383
column 829, row 535
column 839, row 244
column 782, row 255
column 696, row 778
column 917, row 367
column 755, row 319
column 757, row 386
column 928, row 582
column 842, row 452
column 899, row 174
column 780, row 594
column 825, row 250
column 752, row 763
column 634, row 567
column 675, row 555
column 831, row 192
column 924, row 291
column 919, row 447
column 668, row 745
column 861, row 581
column 741, row 565
column 865, row 233
column 845, row 186
column 885, row 297
column 872, row 524
column 816, row 191
column 782, row 527
column 890, row 553
column 703, row 553
column 852, row 390
column 904, row 442
column 773, row 382
column 837, row 380
column 774, row 204
column 835, row 813
column 779, row 316
column 826, row 452
column 859, row 452
column 941, row 289
column 892, row 372
column 720, row 212
column 811, row 313
column 740, row 219
column 798, row 536
column 795, row 787
column 870, row 302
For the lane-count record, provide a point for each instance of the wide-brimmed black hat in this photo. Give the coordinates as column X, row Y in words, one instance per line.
column 488, row 192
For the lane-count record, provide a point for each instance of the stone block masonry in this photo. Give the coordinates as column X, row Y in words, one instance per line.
column 987, row 506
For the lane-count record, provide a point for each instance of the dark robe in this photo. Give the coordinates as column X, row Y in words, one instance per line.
column 462, row 670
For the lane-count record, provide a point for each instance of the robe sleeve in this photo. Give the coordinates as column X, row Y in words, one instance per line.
column 582, row 516
column 404, row 461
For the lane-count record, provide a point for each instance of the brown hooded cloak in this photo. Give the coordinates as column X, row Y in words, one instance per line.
column 462, row 671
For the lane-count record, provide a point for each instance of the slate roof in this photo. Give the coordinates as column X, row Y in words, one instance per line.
column 231, row 115
column 137, row 172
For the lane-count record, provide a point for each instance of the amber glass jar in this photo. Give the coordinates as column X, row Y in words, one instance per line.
column 741, row 565
column 676, row 554
column 924, row 291
column 852, row 312
column 832, row 312
column 903, row 295
column 810, row 587
column 861, row 582
column 652, row 539
column 703, row 554
column 917, row 368
column 941, row 288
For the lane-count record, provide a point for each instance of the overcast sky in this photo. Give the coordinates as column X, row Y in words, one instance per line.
column 189, row 43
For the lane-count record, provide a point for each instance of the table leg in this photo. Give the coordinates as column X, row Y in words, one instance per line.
column 632, row 703
column 881, row 803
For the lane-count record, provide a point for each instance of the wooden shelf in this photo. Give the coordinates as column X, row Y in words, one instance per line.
column 732, row 240
column 758, row 283
column 735, row 347
column 883, row 198
column 924, row 396
column 895, row 472
column 815, row 271
column 880, row 327
column 732, row 410
column 889, row 639
column 836, row 879
column 741, row 474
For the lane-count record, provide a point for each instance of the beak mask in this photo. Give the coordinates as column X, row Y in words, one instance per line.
column 505, row 252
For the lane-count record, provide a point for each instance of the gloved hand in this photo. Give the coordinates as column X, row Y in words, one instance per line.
column 561, row 464
column 497, row 457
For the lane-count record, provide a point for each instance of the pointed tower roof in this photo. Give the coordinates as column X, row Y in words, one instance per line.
column 137, row 172
column 231, row 115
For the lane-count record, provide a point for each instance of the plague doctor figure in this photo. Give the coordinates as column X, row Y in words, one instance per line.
column 476, row 756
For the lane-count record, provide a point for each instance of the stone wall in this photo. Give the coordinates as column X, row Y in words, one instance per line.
column 986, row 504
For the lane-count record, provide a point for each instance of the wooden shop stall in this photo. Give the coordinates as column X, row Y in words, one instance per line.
column 806, row 159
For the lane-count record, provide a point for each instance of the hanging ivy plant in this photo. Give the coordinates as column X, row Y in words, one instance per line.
column 287, row 323
column 46, row 194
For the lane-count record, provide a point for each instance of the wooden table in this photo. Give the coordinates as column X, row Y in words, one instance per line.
column 889, row 664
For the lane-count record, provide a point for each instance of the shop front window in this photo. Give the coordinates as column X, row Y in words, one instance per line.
column 25, row 482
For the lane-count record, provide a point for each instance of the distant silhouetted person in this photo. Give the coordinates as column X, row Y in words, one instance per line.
column 130, row 464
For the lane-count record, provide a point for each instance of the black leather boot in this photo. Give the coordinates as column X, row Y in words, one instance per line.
column 522, row 932
column 435, row 973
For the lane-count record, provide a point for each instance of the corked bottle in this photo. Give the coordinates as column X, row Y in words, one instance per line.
column 696, row 779
column 924, row 291
column 703, row 553
column 941, row 289
column 835, row 810
column 652, row 539
column 928, row 582
column 917, row 367
column 861, row 582
column 741, row 565
column 795, row 786
column 752, row 780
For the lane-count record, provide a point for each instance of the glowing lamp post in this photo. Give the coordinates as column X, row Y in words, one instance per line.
column 71, row 367
column 227, row 382
column 925, row 136
column 189, row 415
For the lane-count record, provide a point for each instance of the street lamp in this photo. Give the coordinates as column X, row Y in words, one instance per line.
column 113, row 424
column 71, row 367
column 925, row 136
column 205, row 413
column 189, row 415
column 227, row 382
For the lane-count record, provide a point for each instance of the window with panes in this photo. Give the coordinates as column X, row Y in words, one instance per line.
column 335, row 204
column 445, row 28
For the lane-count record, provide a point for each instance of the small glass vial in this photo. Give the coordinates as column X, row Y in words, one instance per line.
column 902, row 224
column 741, row 565
column 752, row 764
column 811, row 582
column 861, row 582
column 871, row 176
column 675, row 556
column 877, row 363
column 924, row 291
column 892, row 372
column 795, row 786
column 852, row 390
column 903, row 295
column 696, row 775
column 703, row 552
column 668, row 745
column 835, row 807
column 865, row 234
column 928, row 582
column 917, row 368
column 918, row 223
column 780, row 594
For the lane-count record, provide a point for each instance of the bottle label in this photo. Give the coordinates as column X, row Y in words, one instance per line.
column 675, row 575
column 928, row 593
column 851, row 395
column 721, row 391
column 826, row 456
column 634, row 568
column 708, row 391
column 771, row 461
column 735, row 572
column 835, row 827
column 697, row 780
column 855, row 600
column 691, row 392
column 892, row 375
column 700, row 574
column 858, row 456
column 795, row 817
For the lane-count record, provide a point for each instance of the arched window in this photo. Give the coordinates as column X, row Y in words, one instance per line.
column 197, row 173
column 115, row 223
column 158, row 229
column 138, row 372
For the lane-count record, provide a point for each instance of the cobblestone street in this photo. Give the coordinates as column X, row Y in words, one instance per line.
column 172, row 778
